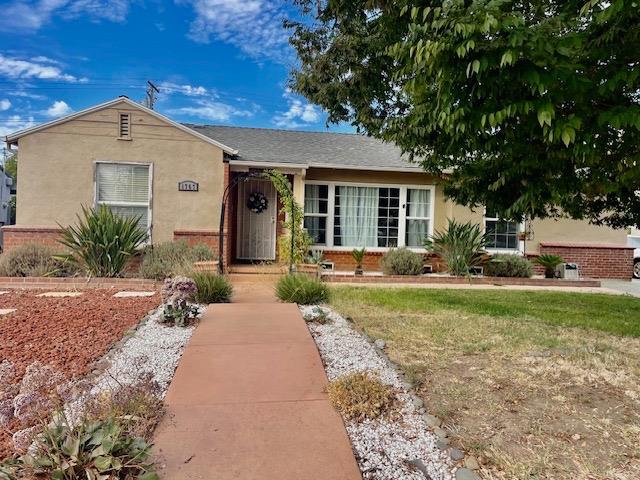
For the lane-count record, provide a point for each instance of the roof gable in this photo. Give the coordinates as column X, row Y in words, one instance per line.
column 13, row 138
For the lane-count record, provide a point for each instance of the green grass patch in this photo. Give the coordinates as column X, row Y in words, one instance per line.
column 618, row 315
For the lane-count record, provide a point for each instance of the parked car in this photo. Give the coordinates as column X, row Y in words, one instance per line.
column 636, row 263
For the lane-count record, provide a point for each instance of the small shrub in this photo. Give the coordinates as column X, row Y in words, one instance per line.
column 317, row 315
column 165, row 260
column 549, row 261
column 176, row 294
column 212, row 288
column 34, row 260
column 359, row 396
column 301, row 289
column 402, row 261
column 102, row 242
column 508, row 265
column 461, row 246
column 101, row 449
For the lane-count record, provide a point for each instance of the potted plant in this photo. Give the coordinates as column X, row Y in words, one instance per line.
column 549, row 261
column 311, row 263
column 358, row 256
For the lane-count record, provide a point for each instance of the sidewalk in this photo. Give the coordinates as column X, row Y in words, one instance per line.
column 248, row 402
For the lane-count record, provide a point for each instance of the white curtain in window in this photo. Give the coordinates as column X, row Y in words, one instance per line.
column 418, row 211
column 359, row 216
column 312, row 199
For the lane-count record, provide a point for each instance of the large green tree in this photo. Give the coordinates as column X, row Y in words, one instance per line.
column 531, row 107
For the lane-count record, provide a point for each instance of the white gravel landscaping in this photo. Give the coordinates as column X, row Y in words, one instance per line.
column 399, row 449
column 153, row 348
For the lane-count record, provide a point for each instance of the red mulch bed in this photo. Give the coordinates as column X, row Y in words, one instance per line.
column 69, row 333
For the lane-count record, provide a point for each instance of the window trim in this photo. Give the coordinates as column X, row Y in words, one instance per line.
column 127, row 204
column 402, row 215
column 319, row 215
column 520, row 229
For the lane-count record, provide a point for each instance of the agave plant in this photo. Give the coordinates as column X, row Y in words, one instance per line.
column 461, row 246
column 358, row 256
column 102, row 242
column 549, row 261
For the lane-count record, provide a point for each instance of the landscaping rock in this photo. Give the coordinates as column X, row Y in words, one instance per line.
column 440, row 433
column 417, row 402
column 60, row 294
column 442, row 443
column 6, row 311
column 421, row 467
column 471, row 463
column 431, row 421
column 466, row 474
column 127, row 294
column 456, row 454
column 379, row 343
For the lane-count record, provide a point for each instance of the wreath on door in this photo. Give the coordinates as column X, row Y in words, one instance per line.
column 257, row 202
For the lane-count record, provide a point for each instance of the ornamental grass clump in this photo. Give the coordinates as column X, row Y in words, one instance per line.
column 360, row 396
column 301, row 289
column 34, row 260
column 164, row 260
column 508, row 265
column 102, row 243
column 402, row 261
column 212, row 288
column 461, row 246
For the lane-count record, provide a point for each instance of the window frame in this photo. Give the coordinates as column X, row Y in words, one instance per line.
column 402, row 214
column 319, row 215
column 149, row 203
column 520, row 229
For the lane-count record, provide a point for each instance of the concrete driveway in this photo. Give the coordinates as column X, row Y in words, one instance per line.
column 630, row 288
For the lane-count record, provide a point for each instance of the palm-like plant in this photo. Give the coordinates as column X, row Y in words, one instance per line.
column 549, row 261
column 358, row 257
column 102, row 243
column 461, row 246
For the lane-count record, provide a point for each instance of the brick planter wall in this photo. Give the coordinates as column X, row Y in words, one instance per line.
column 14, row 236
column 73, row 283
column 594, row 260
column 343, row 261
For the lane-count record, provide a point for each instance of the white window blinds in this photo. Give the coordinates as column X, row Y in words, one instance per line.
column 125, row 189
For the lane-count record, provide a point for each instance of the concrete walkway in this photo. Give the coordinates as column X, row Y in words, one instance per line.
column 248, row 402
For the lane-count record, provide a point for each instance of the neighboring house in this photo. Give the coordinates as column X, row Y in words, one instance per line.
column 356, row 191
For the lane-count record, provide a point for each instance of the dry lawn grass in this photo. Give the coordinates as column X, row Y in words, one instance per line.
column 529, row 396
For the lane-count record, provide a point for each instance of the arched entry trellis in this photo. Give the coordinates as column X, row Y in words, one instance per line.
column 284, row 189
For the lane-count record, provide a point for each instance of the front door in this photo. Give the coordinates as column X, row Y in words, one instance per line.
column 256, row 231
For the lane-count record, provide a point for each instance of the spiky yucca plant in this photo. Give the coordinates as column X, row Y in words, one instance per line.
column 102, row 242
column 461, row 246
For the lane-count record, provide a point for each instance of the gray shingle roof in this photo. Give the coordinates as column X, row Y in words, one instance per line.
column 313, row 149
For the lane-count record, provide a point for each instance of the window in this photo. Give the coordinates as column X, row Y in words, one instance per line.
column 375, row 217
column 124, row 188
column 124, row 125
column 316, row 211
column 418, row 216
column 501, row 234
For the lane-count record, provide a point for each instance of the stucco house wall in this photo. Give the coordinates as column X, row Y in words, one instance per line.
column 57, row 165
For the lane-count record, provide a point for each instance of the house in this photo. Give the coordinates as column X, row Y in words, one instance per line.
column 356, row 191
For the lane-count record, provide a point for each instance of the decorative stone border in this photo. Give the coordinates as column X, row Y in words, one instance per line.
column 79, row 283
column 412, row 445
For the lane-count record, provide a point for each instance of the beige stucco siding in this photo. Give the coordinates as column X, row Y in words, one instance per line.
column 572, row 231
column 56, row 170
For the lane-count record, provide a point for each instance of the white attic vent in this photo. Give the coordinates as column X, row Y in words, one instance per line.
column 124, row 125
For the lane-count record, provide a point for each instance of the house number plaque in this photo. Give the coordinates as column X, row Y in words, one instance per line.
column 188, row 186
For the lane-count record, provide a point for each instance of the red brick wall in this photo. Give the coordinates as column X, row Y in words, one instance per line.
column 595, row 261
column 14, row 236
column 343, row 261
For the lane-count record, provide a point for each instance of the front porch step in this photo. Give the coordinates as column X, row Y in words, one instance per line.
column 257, row 269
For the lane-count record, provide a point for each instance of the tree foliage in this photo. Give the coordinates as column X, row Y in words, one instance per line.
column 532, row 107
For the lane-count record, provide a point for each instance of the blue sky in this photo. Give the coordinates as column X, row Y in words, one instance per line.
column 215, row 61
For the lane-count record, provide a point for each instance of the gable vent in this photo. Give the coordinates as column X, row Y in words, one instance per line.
column 124, row 125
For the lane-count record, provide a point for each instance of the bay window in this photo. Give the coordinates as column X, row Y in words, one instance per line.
column 347, row 216
column 125, row 189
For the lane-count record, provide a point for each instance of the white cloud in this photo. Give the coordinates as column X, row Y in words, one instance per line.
column 299, row 114
column 24, row 15
column 14, row 124
column 188, row 90
column 212, row 110
column 22, row 69
column 59, row 108
column 253, row 26
column 5, row 104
